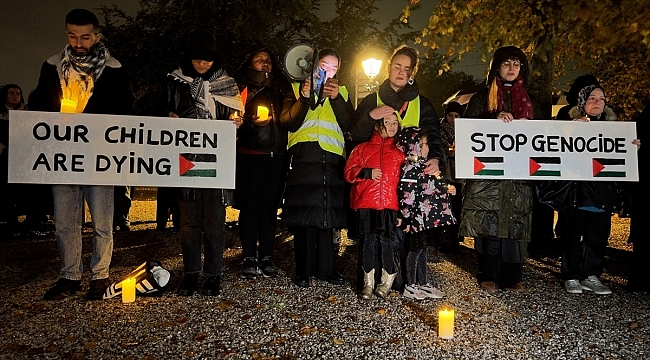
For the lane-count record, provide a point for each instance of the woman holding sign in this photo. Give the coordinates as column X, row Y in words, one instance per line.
column 203, row 211
column 588, row 222
column 498, row 213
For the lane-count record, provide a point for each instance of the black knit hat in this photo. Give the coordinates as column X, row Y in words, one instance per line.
column 201, row 45
column 454, row 106
column 579, row 83
column 508, row 53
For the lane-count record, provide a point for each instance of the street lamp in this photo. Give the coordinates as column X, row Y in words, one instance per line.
column 371, row 68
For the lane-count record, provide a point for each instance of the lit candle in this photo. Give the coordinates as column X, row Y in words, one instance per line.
column 128, row 290
column 263, row 113
column 68, row 106
column 446, row 323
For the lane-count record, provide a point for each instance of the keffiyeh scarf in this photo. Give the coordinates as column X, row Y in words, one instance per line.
column 78, row 73
column 219, row 87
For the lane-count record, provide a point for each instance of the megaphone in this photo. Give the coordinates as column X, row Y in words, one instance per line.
column 299, row 61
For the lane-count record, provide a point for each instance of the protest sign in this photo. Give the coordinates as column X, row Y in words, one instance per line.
column 546, row 150
column 95, row 149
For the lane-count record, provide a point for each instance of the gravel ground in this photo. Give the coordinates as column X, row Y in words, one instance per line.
column 274, row 319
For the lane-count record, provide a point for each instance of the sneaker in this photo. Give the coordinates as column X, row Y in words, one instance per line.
column 592, row 283
column 211, row 286
column 431, row 292
column 573, row 286
column 413, row 292
column 267, row 268
column 97, row 288
column 249, row 269
column 62, row 288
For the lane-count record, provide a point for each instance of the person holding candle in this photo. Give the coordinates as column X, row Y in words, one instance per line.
column 374, row 170
column 425, row 206
column 203, row 211
column 86, row 73
column 261, row 171
column 313, row 205
column 498, row 213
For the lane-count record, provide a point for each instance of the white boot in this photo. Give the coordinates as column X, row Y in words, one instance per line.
column 368, row 285
column 383, row 289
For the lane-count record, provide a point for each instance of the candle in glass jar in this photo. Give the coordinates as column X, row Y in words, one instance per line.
column 128, row 290
column 68, row 106
column 263, row 113
column 446, row 323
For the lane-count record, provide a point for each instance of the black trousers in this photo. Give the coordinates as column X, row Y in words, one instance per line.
column 496, row 261
column 416, row 267
column 165, row 206
column 373, row 243
column 584, row 240
column 314, row 251
column 203, row 223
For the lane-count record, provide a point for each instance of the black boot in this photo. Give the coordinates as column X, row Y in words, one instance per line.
column 188, row 285
column 212, row 286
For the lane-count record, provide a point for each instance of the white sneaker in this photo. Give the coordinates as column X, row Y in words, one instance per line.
column 431, row 292
column 592, row 283
column 413, row 292
column 573, row 286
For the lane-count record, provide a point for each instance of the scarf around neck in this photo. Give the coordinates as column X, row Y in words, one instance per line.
column 78, row 73
column 522, row 107
column 218, row 87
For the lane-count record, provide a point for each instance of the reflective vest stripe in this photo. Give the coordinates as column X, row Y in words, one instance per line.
column 320, row 125
column 412, row 116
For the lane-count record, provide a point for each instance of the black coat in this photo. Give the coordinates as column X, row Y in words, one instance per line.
column 363, row 125
column 315, row 184
column 111, row 95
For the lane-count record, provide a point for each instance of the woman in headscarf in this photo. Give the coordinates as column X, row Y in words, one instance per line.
column 201, row 89
column 498, row 213
column 261, row 145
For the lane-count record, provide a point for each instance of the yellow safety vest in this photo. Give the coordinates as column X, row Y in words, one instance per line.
column 320, row 125
column 412, row 116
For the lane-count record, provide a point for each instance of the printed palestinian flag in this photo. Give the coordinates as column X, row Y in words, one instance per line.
column 608, row 167
column 545, row 166
column 488, row 166
column 197, row 165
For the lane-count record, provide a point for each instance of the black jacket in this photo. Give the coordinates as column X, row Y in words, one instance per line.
column 269, row 137
column 111, row 95
column 363, row 125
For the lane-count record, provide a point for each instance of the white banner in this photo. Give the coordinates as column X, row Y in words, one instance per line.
column 93, row 149
column 546, row 150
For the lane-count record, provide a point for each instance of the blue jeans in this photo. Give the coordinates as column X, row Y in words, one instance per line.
column 68, row 218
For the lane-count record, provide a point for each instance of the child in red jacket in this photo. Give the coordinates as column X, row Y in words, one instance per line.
column 374, row 169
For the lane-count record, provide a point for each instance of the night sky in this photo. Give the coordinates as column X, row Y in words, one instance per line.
column 33, row 30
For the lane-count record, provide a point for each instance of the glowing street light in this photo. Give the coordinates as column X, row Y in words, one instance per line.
column 371, row 68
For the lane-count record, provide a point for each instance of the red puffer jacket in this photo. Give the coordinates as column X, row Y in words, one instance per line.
column 378, row 153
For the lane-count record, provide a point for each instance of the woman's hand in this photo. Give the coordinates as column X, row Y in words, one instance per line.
column 432, row 167
column 331, row 88
column 506, row 117
column 376, row 174
column 379, row 113
column 171, row 114
column 637, row 142
column 305, row 90
column 582, row 119
column 451, row 189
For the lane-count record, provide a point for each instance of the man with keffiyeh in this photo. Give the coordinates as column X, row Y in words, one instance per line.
column 201, row 89
column 85, row 73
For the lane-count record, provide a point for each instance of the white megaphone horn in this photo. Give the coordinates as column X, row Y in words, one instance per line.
column 299, row 61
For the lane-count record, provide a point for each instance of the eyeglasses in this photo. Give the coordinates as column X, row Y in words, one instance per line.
column 508, row 63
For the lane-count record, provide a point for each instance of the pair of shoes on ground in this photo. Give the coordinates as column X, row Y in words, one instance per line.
column 334, row 279
column 65, row 287
column 190, row 284
column 421, row 292
column 591, row 283
column 251, row 269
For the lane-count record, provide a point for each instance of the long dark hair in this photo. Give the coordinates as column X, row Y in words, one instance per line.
column 4, row 91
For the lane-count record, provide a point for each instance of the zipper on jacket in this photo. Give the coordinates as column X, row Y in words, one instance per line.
column 381, row 181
